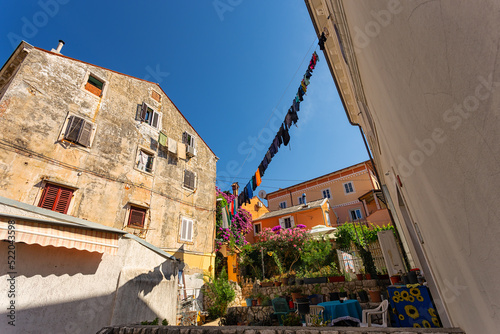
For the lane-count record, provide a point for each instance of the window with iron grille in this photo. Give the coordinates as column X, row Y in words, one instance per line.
column 79, row 131
column 189, row 179
column 56, row 198
column 136, row 217
column 186, row 230
column 150, row 116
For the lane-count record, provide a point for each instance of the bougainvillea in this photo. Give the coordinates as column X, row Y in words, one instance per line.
column 286, row 243
column 240, row 225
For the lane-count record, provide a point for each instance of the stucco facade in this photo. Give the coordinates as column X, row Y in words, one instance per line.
column 39, row 93
column 421, row 79
column 342, row 188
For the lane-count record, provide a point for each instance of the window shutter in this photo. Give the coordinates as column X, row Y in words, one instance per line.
column 56, row 198
column 189, row 235
column 73, row 129
column 155, row 120
column 292, row 223
column 282, row 223
column 183, row 229
column 137, row 217
column 185, row 138
column 189, row 179
column 85, row 133
column 144, row 111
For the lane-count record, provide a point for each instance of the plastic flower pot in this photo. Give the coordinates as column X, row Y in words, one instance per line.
column 248, row 301
column 303, row 305
column 363, row 296
column 342, row 294
column 334, row 296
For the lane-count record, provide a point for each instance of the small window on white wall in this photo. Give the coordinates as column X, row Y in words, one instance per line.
column 186, row 230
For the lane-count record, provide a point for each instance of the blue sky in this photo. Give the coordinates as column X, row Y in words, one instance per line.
column 226, row 64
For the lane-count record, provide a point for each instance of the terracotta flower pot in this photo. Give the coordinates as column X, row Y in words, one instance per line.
column 375, row 296
column 336, row 279
column 277, row 283
column 284, row 281
column 395, row 279
column 368, row 276
column 359, row 277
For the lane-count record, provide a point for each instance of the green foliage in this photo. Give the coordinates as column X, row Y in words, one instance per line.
column 329, row 271
column 316, row 253
column 250, row 259
column 278, row 263
column 291, row 319
column 164, row 322
column 220, row 293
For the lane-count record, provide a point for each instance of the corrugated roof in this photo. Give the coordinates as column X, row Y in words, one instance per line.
column 293, row 209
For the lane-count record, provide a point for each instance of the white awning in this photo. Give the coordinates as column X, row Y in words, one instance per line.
column 59, row 236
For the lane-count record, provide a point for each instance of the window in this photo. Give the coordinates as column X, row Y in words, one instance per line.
column 150, row 116
column 356, row 214
column 326, row 193
column 300, row 200
column 257, row 228
column 189, row 139
column 145, row 161
column 189, row 179
column 348, row 187
column 136, row 217
column 287, row 222
column 56, row 198
column 79, row 131
column 328, row 222
column 283, row 205
column 155, row 96
column 94, row 85
column 186, row 232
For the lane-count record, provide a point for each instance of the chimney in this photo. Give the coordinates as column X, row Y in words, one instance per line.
column 236, row 188
column 304, row 199
column 59, row 47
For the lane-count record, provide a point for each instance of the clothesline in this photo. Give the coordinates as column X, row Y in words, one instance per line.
column 282, row 137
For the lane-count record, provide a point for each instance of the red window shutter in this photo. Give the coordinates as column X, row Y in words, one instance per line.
column 136, row 217
column 56, row 198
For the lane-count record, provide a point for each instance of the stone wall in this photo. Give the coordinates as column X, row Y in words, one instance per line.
column 271, row 330
column 325, row 288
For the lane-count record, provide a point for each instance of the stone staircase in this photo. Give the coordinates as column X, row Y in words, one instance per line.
column 138, row 329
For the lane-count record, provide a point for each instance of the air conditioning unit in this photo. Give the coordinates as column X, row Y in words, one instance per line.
column 259, row 204
column 190, row 151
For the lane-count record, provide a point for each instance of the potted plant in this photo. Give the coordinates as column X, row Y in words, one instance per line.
column 299, row 277
column 296, row 292
column 266, row 283
column 249, row 301
column 316, row 296
column 384, row 274
column 332, row 273
column 342, row 292
column 334, row 296
column 314, row 278
column 363, row 296
column 266, row 301
column 360, row 275
column 284, row 279
column 375, row 295
column 395, row 279
column 292, row 319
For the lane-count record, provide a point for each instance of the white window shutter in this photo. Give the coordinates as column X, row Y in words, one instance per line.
column 292, row 223
column 183, row 229
column 282, row 223
column 189, row 235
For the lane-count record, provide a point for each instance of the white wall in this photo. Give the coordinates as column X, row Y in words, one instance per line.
column 430, row 74
column 60, row 290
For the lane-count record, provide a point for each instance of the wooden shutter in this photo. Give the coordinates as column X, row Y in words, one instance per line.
column 189, row 234
column 184, row 229
column 282, row 222
column 85, row 134
column 56, row 198
column 189, row 179
column 73, row 128
column 144, row 111
column 292, row 222
column 155, row 119
column 136, row 217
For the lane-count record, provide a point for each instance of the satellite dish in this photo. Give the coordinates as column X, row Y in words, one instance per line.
column 262, row 194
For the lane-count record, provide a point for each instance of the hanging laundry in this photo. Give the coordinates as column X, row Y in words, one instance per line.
column 254, row 183
column 308, row 74
column 262, row 170
column 294, row 117
column 296, row 105
column 272, row 150
column 181, row 150
column 288, row 120
column 303, row 86
column 306, row 80
column 268, row 156
column 249, row 191
column 322, row 41
column 276, row 144
column 257, row 177
column 278, row 136
column 172, row 146
column 225, row 223
column 301, row 94
column 162, row 139
column 286, row 137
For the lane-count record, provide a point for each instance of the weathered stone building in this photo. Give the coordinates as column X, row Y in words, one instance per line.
column 88, row 142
